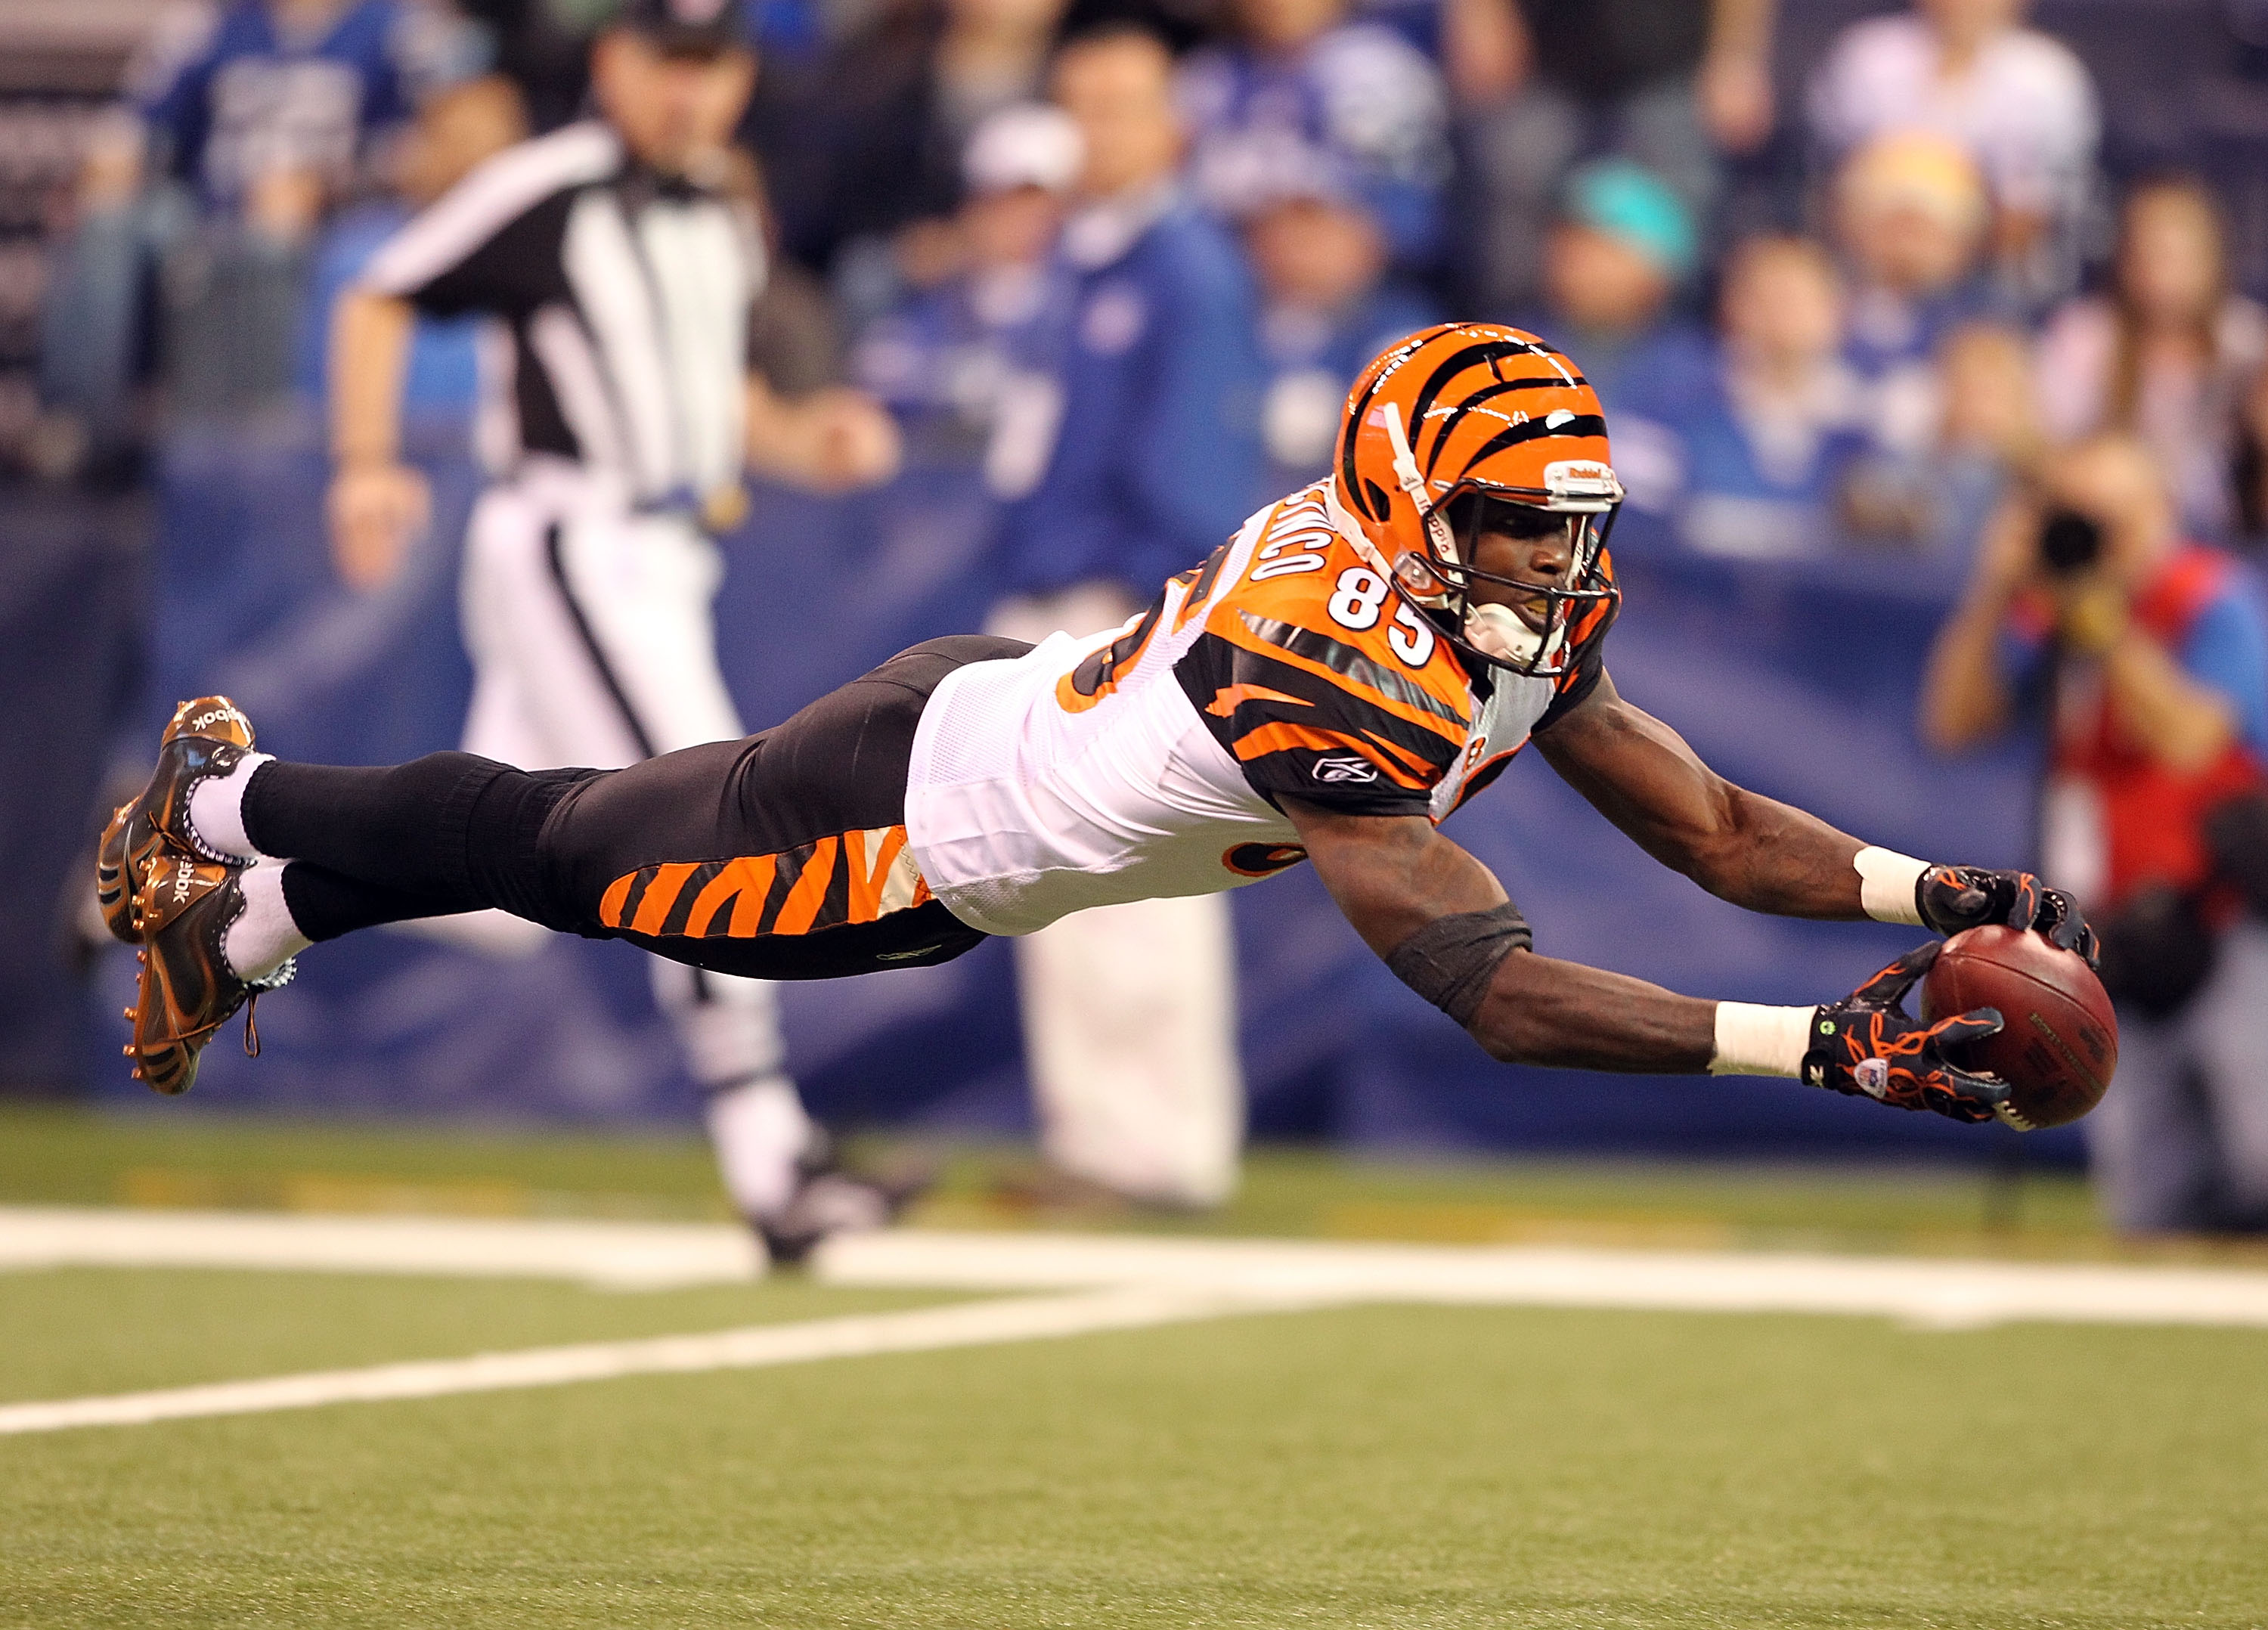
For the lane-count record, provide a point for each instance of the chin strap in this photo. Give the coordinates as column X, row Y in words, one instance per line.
column 1407, row 476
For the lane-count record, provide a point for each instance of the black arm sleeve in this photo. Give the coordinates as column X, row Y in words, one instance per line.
column 1451, row 960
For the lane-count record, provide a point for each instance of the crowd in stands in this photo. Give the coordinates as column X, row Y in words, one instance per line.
column 1844, row 322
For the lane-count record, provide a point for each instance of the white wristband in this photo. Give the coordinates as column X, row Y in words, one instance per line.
column 1886, row 885
column 1754, row 1040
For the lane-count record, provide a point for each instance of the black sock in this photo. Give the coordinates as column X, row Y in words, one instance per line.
column 445, row 833
column 325, row 904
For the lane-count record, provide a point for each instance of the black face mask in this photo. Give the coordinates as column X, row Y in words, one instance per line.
column 1472, row 514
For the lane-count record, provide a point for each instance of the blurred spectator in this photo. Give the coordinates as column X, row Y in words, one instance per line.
column 2020, row 103
column 1748, row 455
column 1911, row 214
column 1141, row 459
column 2169, row 353
column 1305, row 99
column 1153, row 457
column 1612, row 268
column 455, row 130
column 956, row 362
column 2152, row 658
column 893, row 111
column 277, row 93
column 1327, row 308
column 1670, row 84
column 263, row 114
column 1985, row 434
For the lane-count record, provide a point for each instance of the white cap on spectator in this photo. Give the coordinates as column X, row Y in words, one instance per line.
column 1030, row 145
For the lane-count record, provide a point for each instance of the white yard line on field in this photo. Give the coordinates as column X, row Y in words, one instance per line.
column 1946, row 1292
column 925, row 1330
column 1070, row 1285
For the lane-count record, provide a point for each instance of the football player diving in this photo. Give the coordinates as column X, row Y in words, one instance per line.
column 1356, row 663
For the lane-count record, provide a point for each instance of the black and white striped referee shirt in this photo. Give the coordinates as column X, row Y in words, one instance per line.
column 625, row 295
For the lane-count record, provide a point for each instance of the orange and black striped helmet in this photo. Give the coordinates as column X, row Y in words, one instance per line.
column 1472, row 426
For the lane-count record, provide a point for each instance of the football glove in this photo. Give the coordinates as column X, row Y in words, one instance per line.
column 1868, row 1045
column 1951, row 898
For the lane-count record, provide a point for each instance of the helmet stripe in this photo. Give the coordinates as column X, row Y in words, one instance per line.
column 1484, row 355
column 1576, row 427
column 1388, row 365
column 1487, row 394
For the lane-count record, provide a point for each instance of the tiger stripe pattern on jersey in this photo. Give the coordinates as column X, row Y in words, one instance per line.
column 1365, row 710
column 1326, row 684
column 845, row 877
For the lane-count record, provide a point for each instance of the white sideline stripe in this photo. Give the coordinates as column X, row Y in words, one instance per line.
column 1936, row 1292
column 1023, row 1319
column 626, row 1256
column 1948, row 1292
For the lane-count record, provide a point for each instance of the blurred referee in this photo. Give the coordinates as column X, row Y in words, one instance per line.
column 620, row 411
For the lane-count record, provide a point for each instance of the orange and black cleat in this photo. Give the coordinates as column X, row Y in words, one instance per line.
column 187, row 989
column 206, row 737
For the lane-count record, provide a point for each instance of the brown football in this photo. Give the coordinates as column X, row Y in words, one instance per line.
column 2058, row 1044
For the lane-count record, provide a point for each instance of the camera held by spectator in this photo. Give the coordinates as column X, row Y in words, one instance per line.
column 2151, row 656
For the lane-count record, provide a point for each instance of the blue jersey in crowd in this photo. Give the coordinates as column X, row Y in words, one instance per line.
column 1155, row 457
column 955, row 362
column 1312, row 361
column 1358, row 113
column 248, row 97
column 1740, row 482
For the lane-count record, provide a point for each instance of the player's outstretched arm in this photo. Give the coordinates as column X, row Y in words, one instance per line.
column 1758, row 852
column 1741, row 846
column 1439, row 919
column 1434, row 913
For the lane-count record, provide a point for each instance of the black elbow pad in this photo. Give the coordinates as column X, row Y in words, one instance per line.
column 1450, row 960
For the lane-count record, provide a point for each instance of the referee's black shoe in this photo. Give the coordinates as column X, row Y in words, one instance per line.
column 829, row 1200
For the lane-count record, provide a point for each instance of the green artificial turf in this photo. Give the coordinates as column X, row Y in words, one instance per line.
column 1377, row 1467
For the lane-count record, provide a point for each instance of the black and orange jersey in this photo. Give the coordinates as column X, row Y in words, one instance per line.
column 1327, row 686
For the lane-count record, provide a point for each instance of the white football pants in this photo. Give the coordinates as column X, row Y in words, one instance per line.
column 593, row 643
column 1129, row 1011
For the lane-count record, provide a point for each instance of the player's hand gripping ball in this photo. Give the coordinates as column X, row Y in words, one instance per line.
column 1868, row 1045
column 1952, row 898
column 2058, row 1042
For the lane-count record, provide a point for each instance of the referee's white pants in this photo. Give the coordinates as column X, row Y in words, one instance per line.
column 593, row 642
column 1129, row 1011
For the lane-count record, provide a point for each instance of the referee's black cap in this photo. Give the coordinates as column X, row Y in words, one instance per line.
column 686, row 27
